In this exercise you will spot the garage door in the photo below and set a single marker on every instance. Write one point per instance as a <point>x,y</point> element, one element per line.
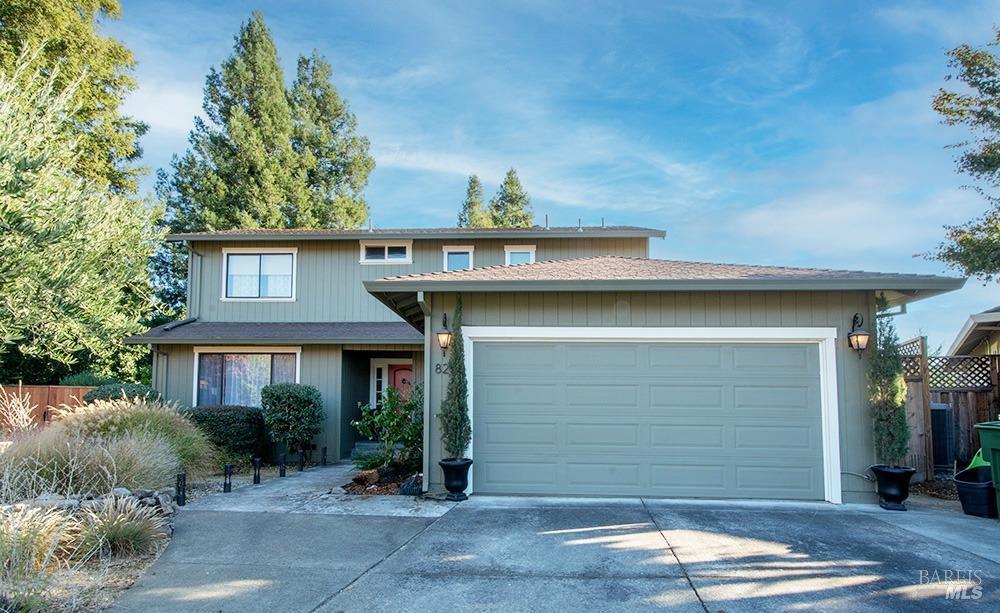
<point>727,420</point>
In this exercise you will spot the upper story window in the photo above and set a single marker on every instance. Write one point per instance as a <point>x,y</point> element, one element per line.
<point>386,252</point>
<point>458,257</point>
<point>518,254</point>
<point>258,274</point>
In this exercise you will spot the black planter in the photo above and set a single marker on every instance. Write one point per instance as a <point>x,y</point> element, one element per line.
<point>975,490</point>
<point>893,485</point>
<point>456,477</point>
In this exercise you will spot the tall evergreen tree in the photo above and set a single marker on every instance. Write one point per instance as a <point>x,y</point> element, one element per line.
<point>511,207</point>
<point>263,157</point>
<point>97,68</point>
<point>473,213</point>
<point>73,254</point>
<point>335,158</point>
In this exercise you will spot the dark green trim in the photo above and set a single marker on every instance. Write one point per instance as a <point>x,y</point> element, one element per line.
<point>143,340</point>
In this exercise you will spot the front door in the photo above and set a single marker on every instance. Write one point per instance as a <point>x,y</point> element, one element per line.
<point>401,378</point>
<point>396,373</point>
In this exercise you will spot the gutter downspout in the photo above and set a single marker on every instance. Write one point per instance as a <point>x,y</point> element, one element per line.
<point>425,308</point>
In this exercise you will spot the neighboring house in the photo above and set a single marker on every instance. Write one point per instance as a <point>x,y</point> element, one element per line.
<point>592,369</point>
<point>979,336</point>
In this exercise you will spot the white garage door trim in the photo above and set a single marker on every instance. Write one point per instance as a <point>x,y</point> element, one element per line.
<point>825,338</point>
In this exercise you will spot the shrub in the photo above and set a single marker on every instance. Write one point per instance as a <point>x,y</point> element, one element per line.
<point>112,418</point>
<point>88,378</point>
<point>292,412</point>
<point>31,542</point>
<point>117,391</point>
<point>887,392</point>
<point>456,429</point>
<point>17,412</point>
<point>120,526</point>
<point>237,431</point>
<point>399,422</point>
<point>57,461</point>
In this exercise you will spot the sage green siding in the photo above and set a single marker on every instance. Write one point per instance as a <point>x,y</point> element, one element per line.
<point>329,278</point>
<point>683,309</point>
<point>321,367</point>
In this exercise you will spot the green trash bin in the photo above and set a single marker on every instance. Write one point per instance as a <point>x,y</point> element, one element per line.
<point>989,440</point>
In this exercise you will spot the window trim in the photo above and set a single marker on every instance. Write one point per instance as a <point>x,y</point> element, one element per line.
<point>198,350</point>
<point>383,363</point>
<point>508,249</point>
<point>293,251</point>
<point>386,243</point>
<point>471,249</point>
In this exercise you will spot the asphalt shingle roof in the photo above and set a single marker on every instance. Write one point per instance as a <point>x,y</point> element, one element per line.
<point>620,268</point>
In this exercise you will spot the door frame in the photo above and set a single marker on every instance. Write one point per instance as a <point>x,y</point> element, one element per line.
<point>382,363</point>
<point>825,338</point>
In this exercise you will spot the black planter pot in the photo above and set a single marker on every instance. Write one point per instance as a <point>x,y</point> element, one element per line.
<point>456,477</point>
<point>893,485</point>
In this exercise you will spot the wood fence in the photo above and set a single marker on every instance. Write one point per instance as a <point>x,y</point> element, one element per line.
<point>968,384</point>
<point>47,397</point>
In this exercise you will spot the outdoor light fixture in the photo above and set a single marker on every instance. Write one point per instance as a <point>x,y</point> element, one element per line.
<point>256,471</point>
<point>444,337</point>
<point>227,478</point>
<point>859,337</point>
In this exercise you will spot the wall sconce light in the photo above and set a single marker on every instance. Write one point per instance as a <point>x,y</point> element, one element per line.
<point>859,337</point>
<point>444,337</point>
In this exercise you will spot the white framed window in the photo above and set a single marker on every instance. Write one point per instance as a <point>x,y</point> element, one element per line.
<point>236,375</point>
<point>518,254</point>
<point>386,252</point>
<point>458,257</point>
<point>259,274</point>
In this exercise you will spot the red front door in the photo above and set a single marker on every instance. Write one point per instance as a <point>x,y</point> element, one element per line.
<point>401,378</point>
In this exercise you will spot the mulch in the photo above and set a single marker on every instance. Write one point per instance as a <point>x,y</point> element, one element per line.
<point>380,482</point>
<point>936,488</point>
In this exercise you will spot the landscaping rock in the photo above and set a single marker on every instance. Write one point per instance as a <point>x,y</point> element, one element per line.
<point>149,501</point>
<point>67,504</point>
<point>121,492</point>
<point>367,477</point>
<point>142,493</point>
<point>169,491</point>
<point>412,486</point>
<point>91,504</point>
<point>49,496</point>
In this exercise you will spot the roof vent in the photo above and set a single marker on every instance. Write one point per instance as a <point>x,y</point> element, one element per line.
<point>579,224</point>
<point>546,221</point>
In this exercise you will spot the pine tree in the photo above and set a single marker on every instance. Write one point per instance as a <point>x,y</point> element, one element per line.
<point>97,68</point>
<point>511,207</point>
<point>334,156</point>
<point>473,213</point>
<point>263,157</point>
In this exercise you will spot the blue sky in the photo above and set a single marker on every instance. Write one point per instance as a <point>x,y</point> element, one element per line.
<point>791,133</point>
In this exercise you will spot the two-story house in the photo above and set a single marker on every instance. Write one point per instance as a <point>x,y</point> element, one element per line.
<point>593,370</point>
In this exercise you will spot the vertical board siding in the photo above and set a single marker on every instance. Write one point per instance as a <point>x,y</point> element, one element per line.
<point>329,278</point>
<point>685,309</point>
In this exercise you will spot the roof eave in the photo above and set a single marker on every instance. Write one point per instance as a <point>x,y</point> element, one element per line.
<point>963,344</point>
<point>144,340</point>
<point>376,235</point>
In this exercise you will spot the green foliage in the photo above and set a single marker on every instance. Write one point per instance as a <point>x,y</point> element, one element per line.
<point>511,207</point>
<point>117,391</point>
<point>87,378</point>
<point>474,213</point>
<point>121,527</point>
<point>887,392</point>
<point>400,421</point>
<point>974,248</point>
<point>235,430</point>
<point>293,413</point>
<point>72,254</point>
<point>114,418</point>
<point>94,70</point>
<point>456,429</point>
<point>263,157</point>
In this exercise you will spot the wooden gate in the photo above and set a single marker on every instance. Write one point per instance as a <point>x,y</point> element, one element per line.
<point>47,397</point>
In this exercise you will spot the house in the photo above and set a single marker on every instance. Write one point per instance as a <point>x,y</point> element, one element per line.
<point>980,335</point>
<point>593,370</point>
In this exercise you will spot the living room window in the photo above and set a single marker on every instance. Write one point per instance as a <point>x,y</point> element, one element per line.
<point>519,254</point>
<point>458,257</point>
<point>258,274</point>
<point>386,252</point>
<point>237,377</point>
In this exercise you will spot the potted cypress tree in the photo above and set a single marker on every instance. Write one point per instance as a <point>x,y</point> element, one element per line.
<point>887,394</point>
<point>456,430</point>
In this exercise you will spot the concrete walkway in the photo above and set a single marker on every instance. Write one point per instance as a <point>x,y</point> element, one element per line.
<point>295,545</point>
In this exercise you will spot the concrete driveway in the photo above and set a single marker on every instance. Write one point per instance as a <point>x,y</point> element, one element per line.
<point>320,551</point>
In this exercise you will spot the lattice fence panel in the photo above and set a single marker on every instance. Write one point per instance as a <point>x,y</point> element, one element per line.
<point>959,372</point>
<point>911,368</point>
<point>910,348</point>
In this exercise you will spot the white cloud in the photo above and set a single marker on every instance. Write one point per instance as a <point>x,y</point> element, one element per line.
<point>169,107</point>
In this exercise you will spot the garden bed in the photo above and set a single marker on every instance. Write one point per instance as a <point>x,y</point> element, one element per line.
<point>384,481</point>
<point>937,488</point>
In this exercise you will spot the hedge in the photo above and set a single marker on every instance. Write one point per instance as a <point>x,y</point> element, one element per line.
<point>237,430</point>
<point>115,391</point>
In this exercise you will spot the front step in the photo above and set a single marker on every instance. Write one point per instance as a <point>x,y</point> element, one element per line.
<point>368,447</point>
